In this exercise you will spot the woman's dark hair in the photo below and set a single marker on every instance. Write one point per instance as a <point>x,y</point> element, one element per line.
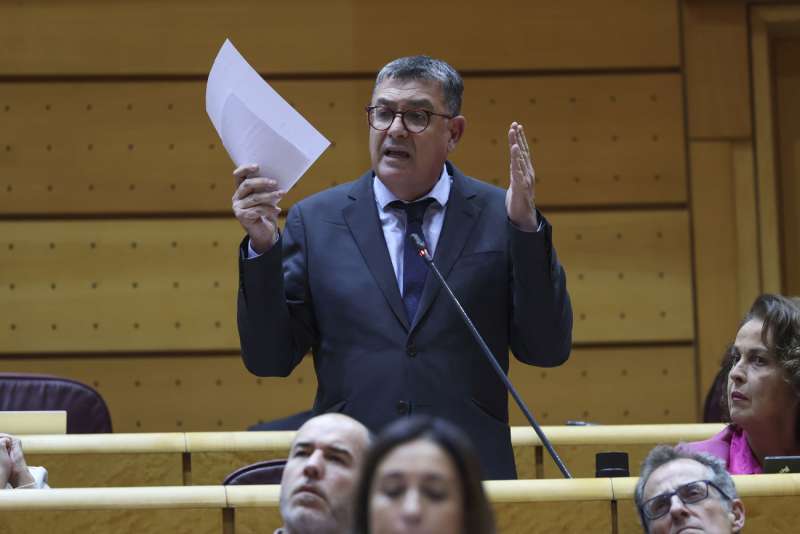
<point>477,514</point>
<point>781,336</point>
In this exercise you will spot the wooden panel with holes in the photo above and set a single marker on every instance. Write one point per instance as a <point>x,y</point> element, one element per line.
<point>163,284</point>
<point>595,139</point>
<point>624,385</point>
<point>181,393</point>
<point>629,274</point>
<point>134,147</point>
<point>182,37</point>
<point>116,147</point>
<point>119,285</point>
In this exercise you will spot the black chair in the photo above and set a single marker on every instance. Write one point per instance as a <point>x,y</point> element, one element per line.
<point>266,472</point>
<point>87,412</point>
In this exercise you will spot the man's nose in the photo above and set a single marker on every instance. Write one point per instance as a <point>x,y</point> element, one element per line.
<point>397,128</point>
<point>677,508</point>
<point>315,465</point>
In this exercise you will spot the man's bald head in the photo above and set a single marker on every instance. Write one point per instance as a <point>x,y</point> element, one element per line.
<point>321,473</point>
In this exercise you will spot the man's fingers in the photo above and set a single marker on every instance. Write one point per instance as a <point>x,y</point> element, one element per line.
<point>254,199</point>
<point>243,171</point>
<point>252,215</point>
<point>523,141</point>
<point>255,185</point>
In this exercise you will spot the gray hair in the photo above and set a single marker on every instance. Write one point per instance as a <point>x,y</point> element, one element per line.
<point>664,454</point>
<point>428,69</point>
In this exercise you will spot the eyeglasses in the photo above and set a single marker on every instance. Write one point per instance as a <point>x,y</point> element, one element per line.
<point>690,493</point>
<point>414,120</point>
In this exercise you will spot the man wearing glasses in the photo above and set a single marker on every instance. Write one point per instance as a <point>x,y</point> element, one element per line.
<point>686,492</point>
<point>343,279</point>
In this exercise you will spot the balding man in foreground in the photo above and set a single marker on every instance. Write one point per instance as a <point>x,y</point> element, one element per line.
<point>320,475</point>
<point>686,492</point>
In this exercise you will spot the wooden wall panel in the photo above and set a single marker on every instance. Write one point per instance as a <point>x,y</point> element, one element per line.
<point>595,139</point>
<point>181,393</point>
<point>165,284</point>
<point>717,68</point>
<point>629,274</point>
<point>610,386</point>
<point>327,37</point>
<point>116,147</point>
<point>765,143</point>
<point>787,118</point>
<point>725,246</point>
<point>133,147</point>
<point>121,285</point>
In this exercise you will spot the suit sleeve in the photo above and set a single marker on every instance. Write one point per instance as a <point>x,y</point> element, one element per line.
<point>541,318</point>
<point>274,309</point>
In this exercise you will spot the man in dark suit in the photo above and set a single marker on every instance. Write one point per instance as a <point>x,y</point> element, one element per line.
<point>343,280</point>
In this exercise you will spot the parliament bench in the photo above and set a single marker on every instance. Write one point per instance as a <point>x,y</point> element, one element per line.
<point>598,505</point>
<point>205,458</point>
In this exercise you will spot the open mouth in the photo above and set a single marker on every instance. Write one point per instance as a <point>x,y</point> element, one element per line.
<point>396,153</point>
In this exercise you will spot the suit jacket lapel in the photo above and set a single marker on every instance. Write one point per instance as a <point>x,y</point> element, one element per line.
<point>461,216</point>
<point>361,216</point>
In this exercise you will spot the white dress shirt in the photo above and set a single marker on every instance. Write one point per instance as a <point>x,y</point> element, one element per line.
<point>393,220</point>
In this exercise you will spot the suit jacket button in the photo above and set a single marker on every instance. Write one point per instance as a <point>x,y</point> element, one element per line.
<point>402,407</point>
<point>411,350</point>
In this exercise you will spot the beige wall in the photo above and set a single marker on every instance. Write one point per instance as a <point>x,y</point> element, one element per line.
<point>118,249</point>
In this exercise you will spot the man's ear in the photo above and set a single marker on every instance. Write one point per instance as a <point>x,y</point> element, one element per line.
<point>737,515</point>
<point>456,129</point>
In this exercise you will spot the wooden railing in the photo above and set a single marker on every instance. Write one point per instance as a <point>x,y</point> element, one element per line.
<point>185,458</point>
<point>532,506</point>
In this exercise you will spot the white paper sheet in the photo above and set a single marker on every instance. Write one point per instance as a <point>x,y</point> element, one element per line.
<point>256,124</point>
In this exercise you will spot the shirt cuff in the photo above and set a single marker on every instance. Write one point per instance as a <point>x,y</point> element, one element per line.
<point>538,228</point>
<point>251,254</point>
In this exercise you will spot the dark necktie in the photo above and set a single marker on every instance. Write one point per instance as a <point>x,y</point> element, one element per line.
<point>414,268</point>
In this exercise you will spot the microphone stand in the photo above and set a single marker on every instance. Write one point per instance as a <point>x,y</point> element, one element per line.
<point>423,252</point>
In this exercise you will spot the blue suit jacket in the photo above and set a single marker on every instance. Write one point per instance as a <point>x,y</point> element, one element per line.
<point>330,287</point>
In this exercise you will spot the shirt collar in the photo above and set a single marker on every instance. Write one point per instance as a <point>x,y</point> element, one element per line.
<point>440,192</point>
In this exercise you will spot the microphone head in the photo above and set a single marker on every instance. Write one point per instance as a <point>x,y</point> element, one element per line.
<point>418,242</point>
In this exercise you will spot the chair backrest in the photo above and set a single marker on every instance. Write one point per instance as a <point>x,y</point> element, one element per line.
<point>87,412</point>
<point>266,472</point>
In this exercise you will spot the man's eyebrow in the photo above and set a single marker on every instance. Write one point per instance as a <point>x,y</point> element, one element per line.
<point>422,103</point>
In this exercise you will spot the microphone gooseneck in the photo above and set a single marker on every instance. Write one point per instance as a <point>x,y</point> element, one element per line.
<point>423,252</point>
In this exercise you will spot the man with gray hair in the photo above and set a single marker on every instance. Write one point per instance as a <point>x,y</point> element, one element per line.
<point>680,491</point>
<point>344,279</point>
<point>321,474</point>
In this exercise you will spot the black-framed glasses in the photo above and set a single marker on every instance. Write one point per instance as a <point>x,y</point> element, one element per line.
<point>414,120</point>
<point>689,493</point>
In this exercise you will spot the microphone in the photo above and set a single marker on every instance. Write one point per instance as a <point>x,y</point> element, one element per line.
<point>423,252</point>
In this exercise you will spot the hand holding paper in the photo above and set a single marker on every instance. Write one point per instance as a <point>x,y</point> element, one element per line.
<point>264,136</point>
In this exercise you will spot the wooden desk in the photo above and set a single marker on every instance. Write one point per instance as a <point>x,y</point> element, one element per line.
<point>33,422</point>
<point>521,506</point>
<point>175,458</point>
